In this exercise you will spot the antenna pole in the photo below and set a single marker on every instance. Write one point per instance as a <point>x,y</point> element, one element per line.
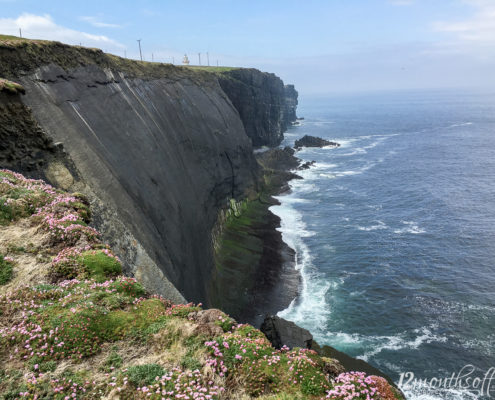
<point>140,53</point>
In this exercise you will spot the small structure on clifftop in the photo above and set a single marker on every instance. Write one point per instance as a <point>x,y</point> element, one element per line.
<point>185,60</point>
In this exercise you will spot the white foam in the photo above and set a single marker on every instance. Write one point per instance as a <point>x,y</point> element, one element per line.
<point>426,393</point>
<point>357,171</point>
<point>411,227</point>
<point>376,344</point>
<point>460,124</point>
<point>355,152</point>
<point>378,226</point>
<point>310,308</point>
<point>318,122</point>
<point>400,341</point>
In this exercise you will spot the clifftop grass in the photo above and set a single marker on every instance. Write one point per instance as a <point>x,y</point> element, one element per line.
<point>20,55</point>
<point>82,330</point>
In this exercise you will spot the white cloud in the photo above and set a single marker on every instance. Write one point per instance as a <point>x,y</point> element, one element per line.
<point>480,27</point>
<point>95,21</point>
<point>44,27</point>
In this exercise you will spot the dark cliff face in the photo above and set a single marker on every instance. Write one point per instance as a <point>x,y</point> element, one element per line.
<point>291,103</point>
<point>163,152</point>
<point>265,105</point>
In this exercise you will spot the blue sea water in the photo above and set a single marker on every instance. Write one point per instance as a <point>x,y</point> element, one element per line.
<point>394,233</point>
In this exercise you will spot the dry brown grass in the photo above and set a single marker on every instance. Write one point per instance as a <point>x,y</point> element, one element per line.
<point>26,244</point>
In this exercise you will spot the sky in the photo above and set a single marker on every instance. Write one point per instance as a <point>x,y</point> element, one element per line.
<point>321,46</point>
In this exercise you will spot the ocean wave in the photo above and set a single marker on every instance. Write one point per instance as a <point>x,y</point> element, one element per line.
<point>376,344</point>
<point>359,150</point>
<point>356,171</point>
<point>426,393</point>
<point>401,341</point>
<point>310,309</point>
<point>378,226</point>
<point>460,124</point>
<point>411,227</point>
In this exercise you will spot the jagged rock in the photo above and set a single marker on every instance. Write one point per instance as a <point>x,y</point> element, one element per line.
<point>206,321</point>
<point>281,332</point>
<point>306,165</point>
<point>279,159</point>
<point>332,366</point>
<point>312,141</point>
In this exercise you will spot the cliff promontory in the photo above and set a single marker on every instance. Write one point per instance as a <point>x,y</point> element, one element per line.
<point>265,105</point>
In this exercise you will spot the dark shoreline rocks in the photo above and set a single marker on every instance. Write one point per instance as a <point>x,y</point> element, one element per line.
<point>312,141</point>
<point>281,332</point>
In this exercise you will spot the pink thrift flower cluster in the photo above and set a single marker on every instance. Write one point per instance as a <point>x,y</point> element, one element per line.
<point>20,197</point>
<point>64,223</point>
<point>354,385</point>
<point>61,388</point>
<point>179,384</point>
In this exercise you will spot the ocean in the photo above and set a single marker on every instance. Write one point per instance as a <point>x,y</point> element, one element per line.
<point>394,233</point>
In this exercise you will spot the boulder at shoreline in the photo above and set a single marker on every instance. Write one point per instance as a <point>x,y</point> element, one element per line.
<point>313,141</point>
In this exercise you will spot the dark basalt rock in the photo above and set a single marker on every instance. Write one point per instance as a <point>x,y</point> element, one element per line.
<point>281,332</point>
<point>265,105</point>
<point>312,141</point>
<point>306,165</point>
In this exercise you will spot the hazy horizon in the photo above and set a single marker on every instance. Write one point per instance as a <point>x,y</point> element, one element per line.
<point>321,47</point>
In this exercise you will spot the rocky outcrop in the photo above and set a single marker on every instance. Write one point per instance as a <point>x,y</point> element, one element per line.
<point>281,332</point>
<point>265,105</point>
<point>312,141</point>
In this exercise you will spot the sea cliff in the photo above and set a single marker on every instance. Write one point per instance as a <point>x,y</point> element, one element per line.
<point>160,149</point>
<point>160,160</point>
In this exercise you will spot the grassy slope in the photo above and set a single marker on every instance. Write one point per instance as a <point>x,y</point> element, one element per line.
<point>73,326</point>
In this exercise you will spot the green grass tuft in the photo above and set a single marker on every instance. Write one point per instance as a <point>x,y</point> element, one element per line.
<point>6,270</point>
<point>141,375</point>
<point>100,266</point>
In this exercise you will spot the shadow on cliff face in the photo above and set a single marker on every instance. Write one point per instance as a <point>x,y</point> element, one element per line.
<point>254,269</point>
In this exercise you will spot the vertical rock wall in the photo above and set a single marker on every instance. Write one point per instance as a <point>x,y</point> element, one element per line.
<point>265,105</point>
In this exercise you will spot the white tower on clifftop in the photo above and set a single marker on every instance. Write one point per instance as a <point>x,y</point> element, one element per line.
<point>185,60</point>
